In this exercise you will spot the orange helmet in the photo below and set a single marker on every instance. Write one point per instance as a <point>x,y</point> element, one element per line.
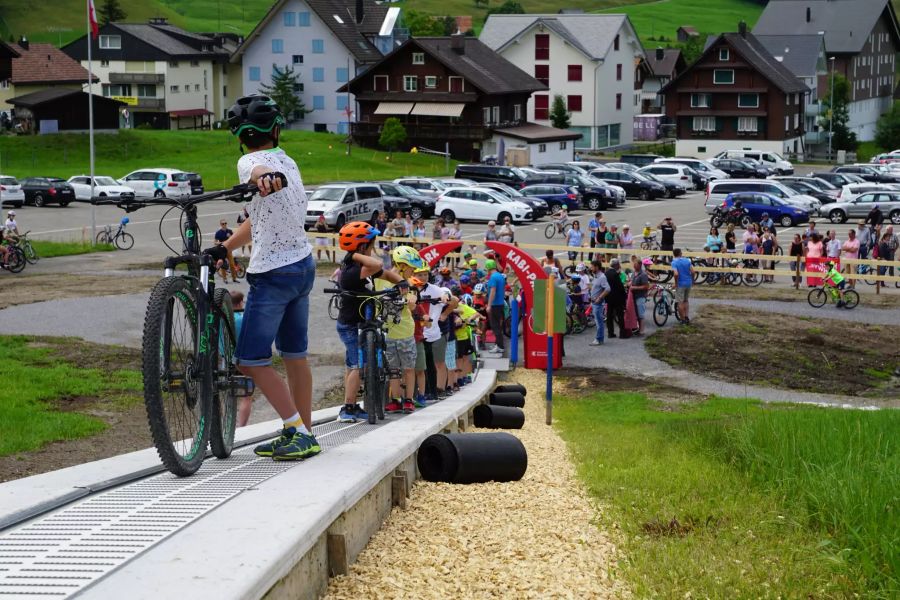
<point>355,234</point>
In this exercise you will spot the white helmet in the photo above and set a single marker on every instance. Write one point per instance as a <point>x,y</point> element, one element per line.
<point>580,268</point>
<point>11,213</point>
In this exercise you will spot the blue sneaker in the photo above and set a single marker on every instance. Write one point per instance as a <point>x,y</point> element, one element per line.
<point>269,448</point>
<point>361,415</point>
<point>419,401</point>
<point>300,447</point>
<point>348,414</point>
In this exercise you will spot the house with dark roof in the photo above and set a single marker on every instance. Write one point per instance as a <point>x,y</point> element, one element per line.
<point>664,65</point>
<point>58,109</point>
<point>7,54</point>
<point>326,42</point>
<point>594,61</point>
<point>37,67</point>
<point>451,90</point>
<point>735,96</point>
<point>167,77</point>
<point>685,33</point>
<point>862,39</point>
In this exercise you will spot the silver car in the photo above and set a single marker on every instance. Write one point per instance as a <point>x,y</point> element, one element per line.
<point>859,207</point>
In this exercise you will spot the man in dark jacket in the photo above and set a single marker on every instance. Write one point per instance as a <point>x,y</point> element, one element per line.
<point>615,312</point>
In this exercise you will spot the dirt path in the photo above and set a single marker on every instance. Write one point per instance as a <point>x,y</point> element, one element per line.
<point>28,289</point>
<point>534,538</point>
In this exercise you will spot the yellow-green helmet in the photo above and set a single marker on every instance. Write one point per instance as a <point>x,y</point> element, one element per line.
<point>408,256</point>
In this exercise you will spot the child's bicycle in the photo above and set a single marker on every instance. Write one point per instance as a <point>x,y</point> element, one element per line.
<point>122,239</point>
<point>649,243</point>
<point>15,259</point>
<point>191,383</point>
<point>818,297</point>
<point>25,244</point>
<point>664,305</point>
<point>555,227</point>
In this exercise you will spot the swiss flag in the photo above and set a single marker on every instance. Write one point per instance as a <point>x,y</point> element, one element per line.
<point>92,18</point>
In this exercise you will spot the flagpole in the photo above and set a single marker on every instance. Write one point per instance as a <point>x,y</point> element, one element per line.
<point>90,39</point>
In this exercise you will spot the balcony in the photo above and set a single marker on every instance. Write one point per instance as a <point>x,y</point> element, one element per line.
<point>147,78</point>
<point>436,131</point>
<point>150,103</point>
<point>813,138</point>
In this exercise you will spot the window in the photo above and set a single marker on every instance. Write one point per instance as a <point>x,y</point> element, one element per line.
<point>319,74</point>
<point>616,43</point>
<point>619,72</point>
<point>341,103</point>
<point>252,74</point>
<point>486,114</point>
<point>430,81</point>
<point>381,83</point>
<point>574,72</point>
<point>418,58</point>
<point>298,87</point>
<point>542,46</point>
<point>457,84</point>
<point>119,89</point>
<point>173,64</point>
<point>618,101</point>
<point>297,59</point>
<point>225,90</point>
<point>748,100</point>
<point>110,42</point>
<point>318,46</point>
<point>562,145</point>
<point>701,100</point>
<point>318,102</point>
<point>290,19</point>
<point>704,124</point>
<point>723,55</point>
<point>495,114</point>
<point>542,73</point>
<point>517,112</point>
<point>342,74</point>
<point>574,103</point>
<point>187,88</point>
<point>196,87</point>
<point>541,107</point>
<point>303,19</point>
<point>748,124</point>
<point>723,76</point>
<point>195,63</point>
<point>173,89</point>
<point>277,46</point>
<point>410,83</point>
<point>542,147</point>
<point>104,63</point>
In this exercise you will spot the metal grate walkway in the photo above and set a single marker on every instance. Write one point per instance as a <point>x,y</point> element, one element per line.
<point>64,552</point>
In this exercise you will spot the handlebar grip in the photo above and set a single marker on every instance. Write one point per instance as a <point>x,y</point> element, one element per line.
<point>333,291</point>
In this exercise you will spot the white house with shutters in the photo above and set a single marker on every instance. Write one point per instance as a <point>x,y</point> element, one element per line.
<point>592,60</point>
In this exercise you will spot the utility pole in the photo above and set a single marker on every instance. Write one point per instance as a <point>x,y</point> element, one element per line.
<point>831,110</point>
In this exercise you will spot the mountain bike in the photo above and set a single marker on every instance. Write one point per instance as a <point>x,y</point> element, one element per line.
<point>665,305</point>
<point>818,297</point>
<point>191,383</point>
<point>15,259</point>
<point>25,244</point>
<point>122,239</point>
<point>378,309</point>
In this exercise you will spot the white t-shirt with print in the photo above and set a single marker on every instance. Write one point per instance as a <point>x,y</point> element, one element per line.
<point>432,332</point>
<point>11,225</point>
<point>279,237</point>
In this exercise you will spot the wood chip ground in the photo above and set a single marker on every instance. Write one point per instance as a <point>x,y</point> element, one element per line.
<point>535,538</point>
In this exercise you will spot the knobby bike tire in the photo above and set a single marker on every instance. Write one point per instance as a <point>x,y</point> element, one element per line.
<point>15,259</point>
<point>124,241</point>
<point>817,297</point>
<point>176,399</point>
<point>661,310</point>
<point>371,379</point>
<point>851,299</point>
<point>224,401</point>
<point>30,255</point>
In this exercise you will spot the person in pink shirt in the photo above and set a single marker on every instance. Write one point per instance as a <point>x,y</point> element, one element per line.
<point>850,249</point>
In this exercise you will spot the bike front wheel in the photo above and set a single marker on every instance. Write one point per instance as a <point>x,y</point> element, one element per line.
<point>224,400</point>
<point>371,378</point>
<point>851,299</point>
<point>817,297</point>
<point>550,231</point>
<point>661,311</point>
<point>334,307</point>
<point>177,391</point>
<point>15,259</point>
<point>30,255</point>
<point>124,241</point>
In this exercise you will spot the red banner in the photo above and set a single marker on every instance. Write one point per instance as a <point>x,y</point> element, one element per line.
<point>435,252</point>
<point>817,263</point>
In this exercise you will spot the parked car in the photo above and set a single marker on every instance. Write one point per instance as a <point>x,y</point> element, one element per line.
<point>539,208</point>
<point>672,173</point>
<point>452,182</point>
<point>158,183</point>
<point>739,169</point>
<point>703,167</point>
<point>885,159</point>
<point>392,199</point>
<point>803,187</point>
<point>422,185</point>
<point>508,175</point>
<point>594,195</point>
<point>41,191</point>
<point>888,202</point>
<point>421,206</point>
<point>673,189</point>
<point>622,166</point>
<point>869,173</point>
<point>852,190</point>
<point>819,184</point>
<point>585,165</point>
<point>103,187</point>
<point>639,160</point>
<point>758,203</point>
<point>563,168</point>
<point>480,204</point>
<point>634,184</point>
<point>838,179</point>
<point>344,202</point>
<point>11,192</point>
<point>716,192</point>
<point>772,160</point>
<point>553,194</point>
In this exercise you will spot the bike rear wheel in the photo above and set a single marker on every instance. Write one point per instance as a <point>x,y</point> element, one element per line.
<point>550,231</point>
<point>851,299</point>
<point>124,241</point>
<point>334,307</point>
<point>817,297</point>
<point>239,270</point>
<point>15,259</point>
<point>751,279</point>
<point>103,238</point>
<point>176,377</point>
<point>661,310</point>
<point>224,400</point>
<point>371,378</point>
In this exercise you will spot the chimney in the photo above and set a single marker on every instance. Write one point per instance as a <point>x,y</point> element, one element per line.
<point>458,43</point>
<point>660,54</point>
<point>742,29</point>
<point>808,14</point>
<point>360,11</point>
<point>23,42</point>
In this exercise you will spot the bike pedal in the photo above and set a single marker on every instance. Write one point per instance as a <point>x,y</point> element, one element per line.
<point>243,386</point>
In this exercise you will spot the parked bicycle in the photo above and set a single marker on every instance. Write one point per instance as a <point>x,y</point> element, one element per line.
<point>818,297</point>
<point>191,383</point>
<point>665,305</point>
<point>25,244</point>
<point>121,238</point>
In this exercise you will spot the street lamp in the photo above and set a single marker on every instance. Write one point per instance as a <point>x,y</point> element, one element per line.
<point>831,110</point>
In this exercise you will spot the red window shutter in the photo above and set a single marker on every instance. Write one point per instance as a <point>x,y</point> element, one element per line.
<point>618,72</point>
<point>542,73</point>
<point>541,107</point>
<point>574,103</point>
<point>542,46</point>
<point>456,84</point>
<point>574,72</point>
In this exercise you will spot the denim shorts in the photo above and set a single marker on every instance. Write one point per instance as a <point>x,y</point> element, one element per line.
<point>277,310</point>
<point>640,305</point>
<point>349,335</point>
<point>450,355</point>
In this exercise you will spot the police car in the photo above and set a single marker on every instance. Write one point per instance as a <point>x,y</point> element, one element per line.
<point>345,202</point>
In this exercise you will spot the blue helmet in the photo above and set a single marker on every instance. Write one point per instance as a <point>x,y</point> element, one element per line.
<point>125,221</point>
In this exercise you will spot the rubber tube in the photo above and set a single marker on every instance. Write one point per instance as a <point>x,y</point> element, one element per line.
<point>507,399</point>
<point>512,387</point>
<point>498,417</point>
<point>472,457</point>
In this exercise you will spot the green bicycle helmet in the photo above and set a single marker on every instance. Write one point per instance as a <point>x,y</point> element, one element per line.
<point>408,256</point>
<point>256,112</point>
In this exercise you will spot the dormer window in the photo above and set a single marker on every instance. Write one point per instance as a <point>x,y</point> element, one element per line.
<point>418,58</point>
<point>724,55</point>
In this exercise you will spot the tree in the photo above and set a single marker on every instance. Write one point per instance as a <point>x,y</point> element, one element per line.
<point>693,48</point>
<point>449,25</point>
<point>887,131</point>
<point>510,7</point>
<point>837,114</point>
<point>559,116</point>
<point>111,11</point>
<point>422,25</point>
<point>282,91</point>
<point>393,133</point>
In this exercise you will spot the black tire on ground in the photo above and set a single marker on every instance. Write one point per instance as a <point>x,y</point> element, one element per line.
<point>550,230</point>
<point>224,401</point>
<point>39,200</point>
<point>472,457</point>
<point>103,238</point>
<point>341,221</point>
<point>594,203</point>
<point>498,417</point>
<point>507,399</point>
<point>670,193</point>
<point>124,241</point>
<point>371,380</point>
<point>30,255</point>
<point>746,221</point>
<point>15,259</point>
<point>171,382</point>
<point>511,387</point>
<point>448,215</point>
<point>751,279</point>
<point>416,213</point>
<point>503,216</point>
<point>786,221</point>
<point>895,217</point>
<point>660,312</point>
<point>334,307</point>
<point>63,204</point>
<point>554,208</point>
<point>643,195</point>
<point>817,297</point>
<point>716,221</point>
<point>159,194</point>
<point>851,299</point>
<point>837,216</point>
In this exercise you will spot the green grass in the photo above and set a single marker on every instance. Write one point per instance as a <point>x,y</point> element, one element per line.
<point>735,499</point>
<point>866,150</point>
<point>34,380</point>
<point>51,249</point>
<point>214,154</point>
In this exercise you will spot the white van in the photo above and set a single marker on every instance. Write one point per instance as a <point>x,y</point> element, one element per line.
<point>716,191</point>
<point>774,161</point>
